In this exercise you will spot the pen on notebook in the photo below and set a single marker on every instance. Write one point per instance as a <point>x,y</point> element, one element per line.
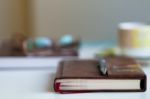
<point>102,66</point>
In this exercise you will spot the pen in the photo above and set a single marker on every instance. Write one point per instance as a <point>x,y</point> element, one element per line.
<point>102,66</point>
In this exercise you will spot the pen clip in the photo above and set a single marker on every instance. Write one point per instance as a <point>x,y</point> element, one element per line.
<point>102,66</point>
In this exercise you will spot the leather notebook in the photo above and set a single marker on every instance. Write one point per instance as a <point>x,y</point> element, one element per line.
<point>123,75</point>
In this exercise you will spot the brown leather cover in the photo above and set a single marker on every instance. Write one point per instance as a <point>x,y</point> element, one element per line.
<point>118,67</point>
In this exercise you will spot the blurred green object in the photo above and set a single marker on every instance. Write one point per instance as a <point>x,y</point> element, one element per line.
<point>115,51</point>
<point>30,45</point>
<point>106,52</point>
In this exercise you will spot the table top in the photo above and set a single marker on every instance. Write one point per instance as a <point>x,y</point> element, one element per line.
<point>38,83</point>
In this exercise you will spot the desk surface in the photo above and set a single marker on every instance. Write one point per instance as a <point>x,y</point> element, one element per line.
<point>37,84</point>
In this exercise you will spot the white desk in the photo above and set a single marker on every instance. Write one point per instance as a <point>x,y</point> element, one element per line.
<point>37,84</point>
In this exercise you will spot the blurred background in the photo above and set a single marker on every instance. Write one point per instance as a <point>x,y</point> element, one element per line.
<point>91,19</point>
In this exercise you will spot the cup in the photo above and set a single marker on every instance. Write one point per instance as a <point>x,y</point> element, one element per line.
<point>134,39</point>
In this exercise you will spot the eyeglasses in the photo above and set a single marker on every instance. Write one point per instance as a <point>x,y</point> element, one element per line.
<point>66,41</point>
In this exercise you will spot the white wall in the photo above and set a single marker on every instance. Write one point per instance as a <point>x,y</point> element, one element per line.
<point>92,19</point>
